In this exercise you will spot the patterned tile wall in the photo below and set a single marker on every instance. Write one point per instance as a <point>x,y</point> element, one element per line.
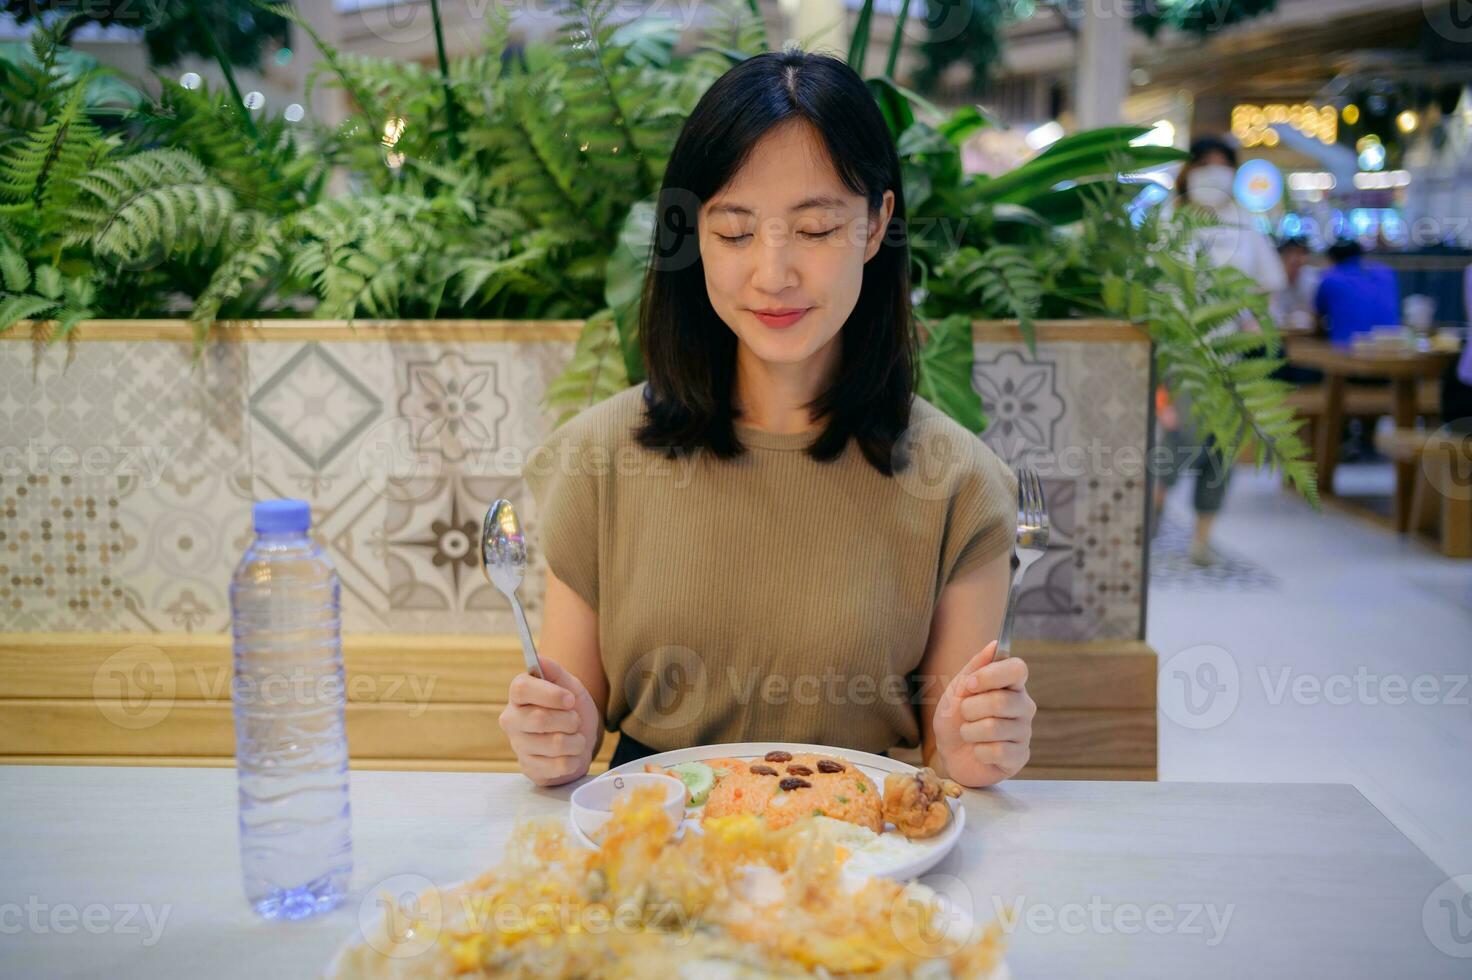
<point>127,472</point>
<point>1079,413</point>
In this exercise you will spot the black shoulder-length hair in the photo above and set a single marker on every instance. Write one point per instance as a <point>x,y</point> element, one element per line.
<point>690,353</point>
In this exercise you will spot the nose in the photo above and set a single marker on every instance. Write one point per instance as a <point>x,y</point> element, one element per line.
<point>773,271</point>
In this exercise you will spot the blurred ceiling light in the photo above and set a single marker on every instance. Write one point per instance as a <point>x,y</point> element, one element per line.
<point>190,79</point>
<point>1372,157</point>
<point>1407,121</point>
<point>1162,133</point>
<point>294,112</point>
<point>1351,113</point>
<point>1252,125</point>
<point>1045,135</point>
<point>1370,181</point>
<point>254,100</point>
<point>1311,180</point>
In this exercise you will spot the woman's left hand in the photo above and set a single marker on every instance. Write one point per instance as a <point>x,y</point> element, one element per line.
<point>983,722</point>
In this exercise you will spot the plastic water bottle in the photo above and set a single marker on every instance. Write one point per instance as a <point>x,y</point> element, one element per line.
<point>291,749</point>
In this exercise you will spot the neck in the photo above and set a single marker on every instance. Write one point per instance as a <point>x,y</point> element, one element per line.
<point>773,397</point>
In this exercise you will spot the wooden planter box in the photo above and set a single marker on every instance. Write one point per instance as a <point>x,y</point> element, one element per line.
<point>130,464</point>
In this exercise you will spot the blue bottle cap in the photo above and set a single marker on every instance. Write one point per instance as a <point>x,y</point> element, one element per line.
<point>276,516</point>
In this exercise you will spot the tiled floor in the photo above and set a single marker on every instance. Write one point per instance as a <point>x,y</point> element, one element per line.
<point>1335,652</point>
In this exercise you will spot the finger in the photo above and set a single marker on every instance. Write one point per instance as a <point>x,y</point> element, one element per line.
<point>550,770</point>
<point>995,730</point>
<point>537,721</point>
<point>1010,673</point>
<point>957,688</point>
<point>560,675</point>
<point>987,654</point>
<point>550,745</point>
<point>1009,756</point>
<point>1004,703</point>
<point>528,690</point>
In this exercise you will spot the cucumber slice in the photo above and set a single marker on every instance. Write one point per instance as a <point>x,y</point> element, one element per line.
<point>698,779</point>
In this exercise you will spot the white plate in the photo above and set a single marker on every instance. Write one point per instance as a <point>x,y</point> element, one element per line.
<point>925,855</point>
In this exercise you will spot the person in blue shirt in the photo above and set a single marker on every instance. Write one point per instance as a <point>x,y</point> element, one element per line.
<point>1355,296</point>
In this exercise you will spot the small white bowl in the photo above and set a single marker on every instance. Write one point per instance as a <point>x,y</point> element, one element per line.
<point>592,803</point>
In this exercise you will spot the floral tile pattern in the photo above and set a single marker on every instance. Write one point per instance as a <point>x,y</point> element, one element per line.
<point>129,469</point>
<point>1079,413</point>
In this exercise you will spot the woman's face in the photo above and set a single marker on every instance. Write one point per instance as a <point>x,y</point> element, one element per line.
<point>787,239</point>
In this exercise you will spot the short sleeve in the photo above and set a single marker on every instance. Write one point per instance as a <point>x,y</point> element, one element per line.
<point>982,521</point>
<point>566,494</point>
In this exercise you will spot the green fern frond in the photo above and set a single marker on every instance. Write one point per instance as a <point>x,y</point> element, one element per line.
<point>147,206</point>
<point>258,259</point>
<point>608,97</point>
<point>15,307</point>
<point>40,168</point>
<point>595,371</point>
<point>944,369</point>
<point>1001,281</point>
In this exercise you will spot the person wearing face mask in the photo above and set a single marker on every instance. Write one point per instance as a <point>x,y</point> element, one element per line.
<point>1207,182</point>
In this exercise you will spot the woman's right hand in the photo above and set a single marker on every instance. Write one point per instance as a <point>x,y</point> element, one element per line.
<point>552,724</point>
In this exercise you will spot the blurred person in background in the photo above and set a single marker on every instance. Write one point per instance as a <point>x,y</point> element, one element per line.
<point>1456,383</point>
<point>1207,181</point>
<point>1355,294</point>
<point>1293,305</point>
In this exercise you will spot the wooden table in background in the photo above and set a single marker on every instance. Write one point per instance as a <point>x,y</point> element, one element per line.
<point>1404,369</point>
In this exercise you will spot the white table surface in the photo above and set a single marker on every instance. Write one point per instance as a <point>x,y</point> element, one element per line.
<point>133,872</point>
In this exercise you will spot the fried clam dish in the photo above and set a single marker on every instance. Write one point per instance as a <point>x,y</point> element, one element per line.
<point>916,802</point>
<point>741,899</point>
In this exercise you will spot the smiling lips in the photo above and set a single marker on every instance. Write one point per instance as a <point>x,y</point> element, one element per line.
<point>783,316</point>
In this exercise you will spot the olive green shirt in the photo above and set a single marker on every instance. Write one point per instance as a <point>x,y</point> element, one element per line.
<point>769,597</point>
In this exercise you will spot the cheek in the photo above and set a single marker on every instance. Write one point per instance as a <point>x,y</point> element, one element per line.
<point>724,274</point>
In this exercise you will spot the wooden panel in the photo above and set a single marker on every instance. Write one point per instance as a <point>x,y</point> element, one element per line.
<point>1059,332</point>
<point>1124,737</point>
<point>1104,674</point>
<point>45,726</point>
<point>49,726</point>
<point>1096,674</point>
<point>459,331</point>
<point>379,668</point>
<point>433,700</point>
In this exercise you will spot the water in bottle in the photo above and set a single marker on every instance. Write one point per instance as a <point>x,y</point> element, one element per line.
<point>291,749</point>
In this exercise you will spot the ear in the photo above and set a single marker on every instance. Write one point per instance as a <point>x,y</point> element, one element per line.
<point>878,225</point>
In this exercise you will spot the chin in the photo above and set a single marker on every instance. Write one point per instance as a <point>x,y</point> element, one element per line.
<point>782,349</point>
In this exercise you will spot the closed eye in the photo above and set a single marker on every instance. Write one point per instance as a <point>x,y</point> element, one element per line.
<point>809,235</point>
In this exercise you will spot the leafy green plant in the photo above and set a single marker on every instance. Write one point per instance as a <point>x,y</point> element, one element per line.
<point>525,189</point>
<point>89,221</point>
<point>1150,270</point>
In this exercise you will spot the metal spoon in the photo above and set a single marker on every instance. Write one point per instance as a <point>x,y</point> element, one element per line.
<point>503,556</point>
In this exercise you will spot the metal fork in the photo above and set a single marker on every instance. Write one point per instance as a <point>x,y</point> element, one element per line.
<point>1032,541</point>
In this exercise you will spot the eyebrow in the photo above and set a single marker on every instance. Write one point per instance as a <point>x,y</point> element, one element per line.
<point>817,201</point>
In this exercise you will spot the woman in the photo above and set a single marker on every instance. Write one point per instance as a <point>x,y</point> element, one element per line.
<point>773,538</point>
<point>1207,182</point>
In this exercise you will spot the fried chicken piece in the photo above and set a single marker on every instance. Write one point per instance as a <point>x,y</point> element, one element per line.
<point>916,802</point>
